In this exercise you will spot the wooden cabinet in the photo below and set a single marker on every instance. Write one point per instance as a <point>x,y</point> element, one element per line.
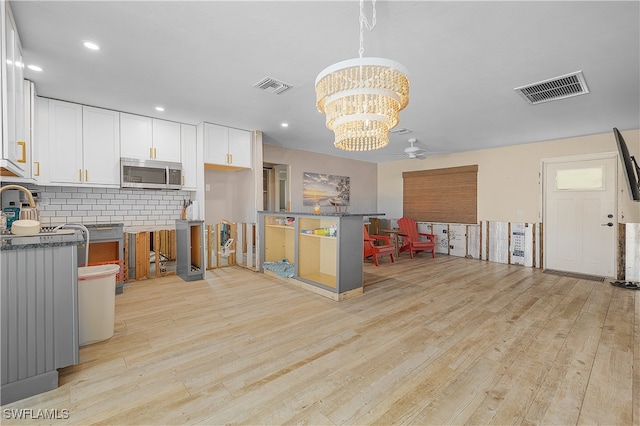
<point>149,138</point>
<point>226,148</point>
<point>189,157</point>
<point>326,250</point>
<point>15,123</point>
<point>83,145</point>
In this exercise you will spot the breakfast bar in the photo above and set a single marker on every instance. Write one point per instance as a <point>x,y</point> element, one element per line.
<point>319,252</point>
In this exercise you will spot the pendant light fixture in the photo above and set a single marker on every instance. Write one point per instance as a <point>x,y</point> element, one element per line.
<point>362,97</point>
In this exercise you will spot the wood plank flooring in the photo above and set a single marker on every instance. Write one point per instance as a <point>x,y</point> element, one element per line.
<point>432,341</point>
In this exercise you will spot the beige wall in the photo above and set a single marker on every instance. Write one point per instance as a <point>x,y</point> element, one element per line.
<point>509,188</point>
<point>230,196</point>
<point>363,176</point>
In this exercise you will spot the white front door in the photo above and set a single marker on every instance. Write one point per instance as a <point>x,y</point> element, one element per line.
<point>580,220</point>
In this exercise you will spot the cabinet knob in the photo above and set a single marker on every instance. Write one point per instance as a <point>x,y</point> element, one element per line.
<point>37,163</point>
<point>86,175</point>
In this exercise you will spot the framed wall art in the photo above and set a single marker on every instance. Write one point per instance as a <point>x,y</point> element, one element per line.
<point>325,190</point>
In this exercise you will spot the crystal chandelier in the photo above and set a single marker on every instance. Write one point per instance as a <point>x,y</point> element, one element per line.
<point>362,97</point>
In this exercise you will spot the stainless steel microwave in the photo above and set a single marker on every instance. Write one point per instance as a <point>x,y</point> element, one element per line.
<point>150,174</point>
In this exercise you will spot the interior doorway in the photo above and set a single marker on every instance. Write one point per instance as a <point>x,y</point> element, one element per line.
<point>580,215</point>
<point>276,187</point>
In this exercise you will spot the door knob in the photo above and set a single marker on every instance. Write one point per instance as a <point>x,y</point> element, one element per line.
<point>607,224</point>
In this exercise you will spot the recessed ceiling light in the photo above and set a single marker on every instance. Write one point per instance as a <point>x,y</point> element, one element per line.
<point>285,124</point>
<point>34,68</point>
<point>159,108</point>
<point>91,45</point>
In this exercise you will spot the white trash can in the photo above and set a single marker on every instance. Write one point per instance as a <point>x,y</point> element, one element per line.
<point>96,302</point>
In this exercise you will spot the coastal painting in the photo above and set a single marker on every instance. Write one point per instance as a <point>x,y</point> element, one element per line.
<point>326,190</point>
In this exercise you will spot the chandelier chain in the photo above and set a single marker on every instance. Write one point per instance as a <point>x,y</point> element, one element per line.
<point>364,23</point>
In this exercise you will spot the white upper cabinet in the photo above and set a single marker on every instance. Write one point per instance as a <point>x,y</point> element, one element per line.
<point>65,142</point>
<point>41,158</point>
<point>240,148</point>
<point>82,145</point>
<point>149,138</point>
<point>189,157</point>
<point>226,148</point>
<point>15,141</point>
<point>166,140</point>
<point>101,146</point>
<point>136,133</point>
<point>215,144</point>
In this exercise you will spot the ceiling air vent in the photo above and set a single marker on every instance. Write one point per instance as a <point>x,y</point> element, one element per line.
<point>555,88</point>
<point>400,131</point>
<point>272,85</point>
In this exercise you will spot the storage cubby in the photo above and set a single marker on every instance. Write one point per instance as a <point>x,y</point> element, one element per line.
<point>279,238</point>
<point>317,251</point>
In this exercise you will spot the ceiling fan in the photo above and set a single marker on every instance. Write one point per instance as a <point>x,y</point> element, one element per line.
<point>412,151</point>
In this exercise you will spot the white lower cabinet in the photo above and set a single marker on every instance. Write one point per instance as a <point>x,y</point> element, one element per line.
<point>83,145</point>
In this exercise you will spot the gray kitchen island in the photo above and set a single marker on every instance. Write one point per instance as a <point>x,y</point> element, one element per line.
<point>39,308</point>
<point>320,252</point>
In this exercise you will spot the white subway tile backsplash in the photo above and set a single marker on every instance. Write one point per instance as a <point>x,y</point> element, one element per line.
<point>64,204</point>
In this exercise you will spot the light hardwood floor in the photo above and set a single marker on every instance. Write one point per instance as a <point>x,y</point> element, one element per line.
<point>432,341</point>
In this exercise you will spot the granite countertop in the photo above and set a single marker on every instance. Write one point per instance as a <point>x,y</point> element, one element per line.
<point>24,242</point>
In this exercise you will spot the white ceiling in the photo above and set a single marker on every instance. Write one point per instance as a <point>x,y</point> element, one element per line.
<point>201,59</point>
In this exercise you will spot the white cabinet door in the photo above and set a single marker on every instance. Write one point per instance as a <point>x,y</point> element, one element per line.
<point>15,144</point>
<point>65,142</point>
<point>166,140</point>
<point>189,157</point>
<point>41,157</point>
<point>239,148</point>
<point>227,147</point>
<point>101,144</point>
<point>216,144</point>
<point>29,96</point>
<point>136,139</point>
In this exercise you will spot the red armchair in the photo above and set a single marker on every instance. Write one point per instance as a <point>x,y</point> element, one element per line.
<point>373,250</point>
<point>411,238</point>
